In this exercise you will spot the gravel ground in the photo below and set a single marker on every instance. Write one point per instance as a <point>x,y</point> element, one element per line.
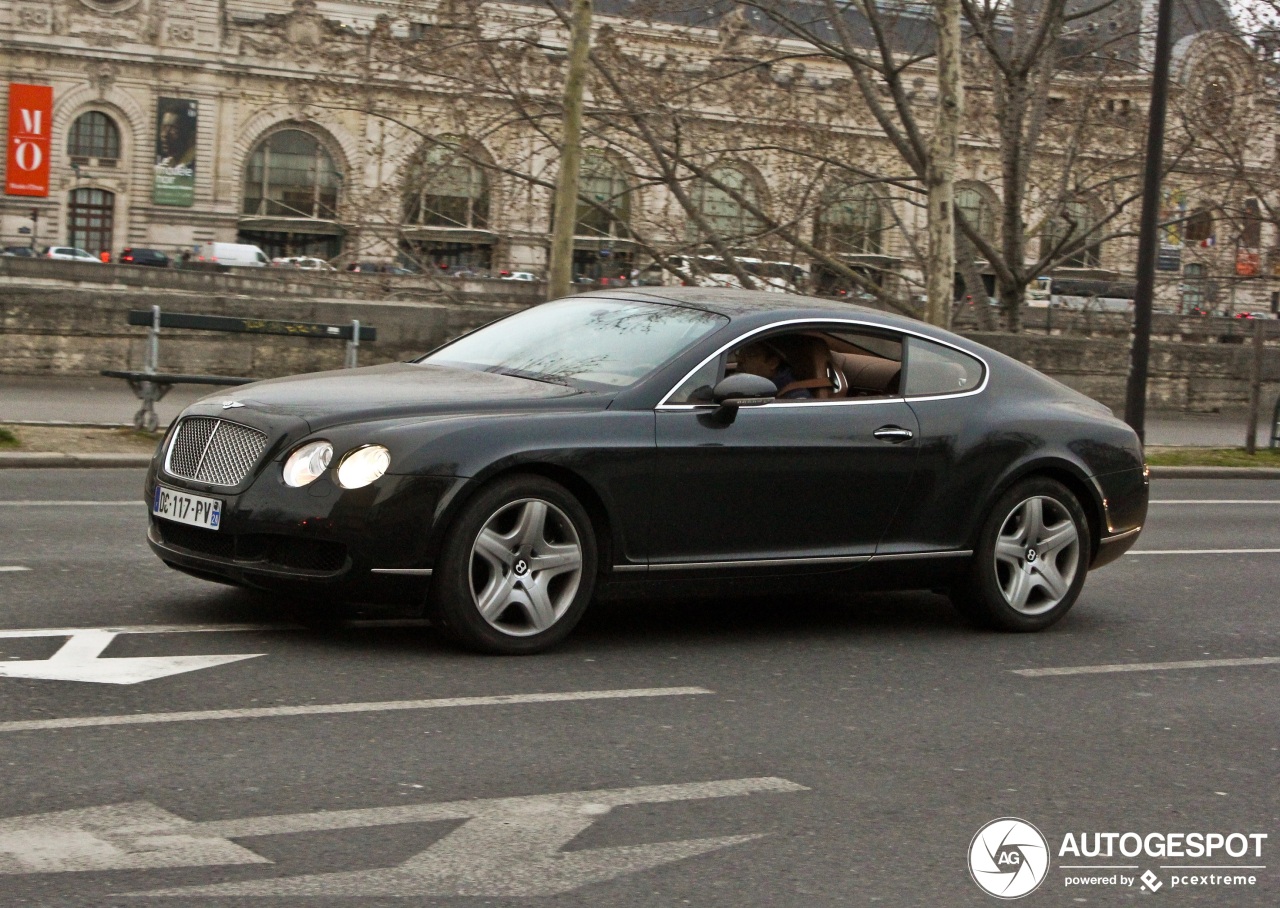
<point>81,441</point>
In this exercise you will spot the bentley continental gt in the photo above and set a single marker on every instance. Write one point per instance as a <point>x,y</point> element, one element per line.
<point>647,441</point>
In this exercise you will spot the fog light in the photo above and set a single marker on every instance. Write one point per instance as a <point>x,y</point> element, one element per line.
<point>306,464</point>
<point>362,466</point>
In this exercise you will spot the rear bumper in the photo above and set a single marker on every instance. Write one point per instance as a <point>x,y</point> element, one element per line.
<point>1112,547</point>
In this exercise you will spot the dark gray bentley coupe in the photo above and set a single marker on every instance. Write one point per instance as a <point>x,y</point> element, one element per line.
<point>647,441</point>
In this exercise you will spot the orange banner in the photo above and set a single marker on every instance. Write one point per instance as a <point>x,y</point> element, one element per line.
<point>30,122</point>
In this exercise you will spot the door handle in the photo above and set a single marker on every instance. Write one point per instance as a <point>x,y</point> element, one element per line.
<point>893,434</point>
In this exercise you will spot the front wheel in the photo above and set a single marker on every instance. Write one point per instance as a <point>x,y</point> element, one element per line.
<point>517,569</point>
<point>1031,560</point>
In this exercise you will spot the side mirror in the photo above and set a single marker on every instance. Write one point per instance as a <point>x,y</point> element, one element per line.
<point>744,390</point>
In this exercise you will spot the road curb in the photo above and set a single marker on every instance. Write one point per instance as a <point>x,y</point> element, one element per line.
<point>35,460</point>
<point>1215,473</point>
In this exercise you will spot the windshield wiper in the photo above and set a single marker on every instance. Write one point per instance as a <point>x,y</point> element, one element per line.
<point>534,376</point>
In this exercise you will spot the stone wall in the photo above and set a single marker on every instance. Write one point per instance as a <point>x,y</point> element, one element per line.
<point>80,332</point>
<point>260,282</point>
<point>68,330</point>
<point>1182,376</point>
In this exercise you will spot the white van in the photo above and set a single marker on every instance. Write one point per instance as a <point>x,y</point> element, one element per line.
<point>241,255</point>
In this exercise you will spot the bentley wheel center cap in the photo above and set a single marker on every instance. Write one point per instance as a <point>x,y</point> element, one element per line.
<point>521,567</point>
<point>1031,555</point>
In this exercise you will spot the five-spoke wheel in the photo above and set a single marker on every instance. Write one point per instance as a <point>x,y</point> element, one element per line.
<point>526,564</point>
<point>517,569</point>
<point>1037,555</point>
<point>1031,559</point>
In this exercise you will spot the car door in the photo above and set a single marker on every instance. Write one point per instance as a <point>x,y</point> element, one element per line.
<point>804,483</point>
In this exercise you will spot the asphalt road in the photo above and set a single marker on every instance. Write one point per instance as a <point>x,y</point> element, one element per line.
<point>724,753</point>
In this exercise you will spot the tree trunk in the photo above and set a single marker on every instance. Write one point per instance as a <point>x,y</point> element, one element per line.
<point>941,174</point>
<point>560,270</point>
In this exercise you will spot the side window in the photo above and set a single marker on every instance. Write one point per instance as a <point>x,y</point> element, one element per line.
<point>697,390</point>
<point>935,369</point>
<point>813,362</point>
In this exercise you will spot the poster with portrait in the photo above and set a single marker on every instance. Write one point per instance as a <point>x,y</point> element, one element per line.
<point>175,172</point>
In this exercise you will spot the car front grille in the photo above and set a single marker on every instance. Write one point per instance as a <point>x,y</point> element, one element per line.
<point>213,450</point>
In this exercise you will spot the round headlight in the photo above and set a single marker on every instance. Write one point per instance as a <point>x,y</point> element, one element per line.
<point>362,466</point>
<point>306,464</point>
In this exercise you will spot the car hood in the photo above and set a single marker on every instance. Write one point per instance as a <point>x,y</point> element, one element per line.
<point>325,399</point>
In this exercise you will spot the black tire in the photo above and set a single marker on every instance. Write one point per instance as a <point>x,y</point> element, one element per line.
<point>1007,591</point>
<point>488,594</point>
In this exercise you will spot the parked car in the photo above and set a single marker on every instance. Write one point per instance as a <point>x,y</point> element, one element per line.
<point>21,252</point>
<point>378,268</point>
<point>607,441</point>
<point>70,253</point>
<point>1252,315</point>
<point>305,262</point>
<point>518,276</point>
<point>152,258</point>
<point>236,255</point>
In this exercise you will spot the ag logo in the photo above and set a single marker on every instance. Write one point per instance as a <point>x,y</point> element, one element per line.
<point>1008,858</point>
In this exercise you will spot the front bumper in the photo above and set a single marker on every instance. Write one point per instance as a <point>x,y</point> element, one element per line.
<point>271,535</point>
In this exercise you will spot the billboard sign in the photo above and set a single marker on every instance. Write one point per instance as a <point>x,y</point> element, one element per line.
<point>30,121</point>
<point>175,171</point>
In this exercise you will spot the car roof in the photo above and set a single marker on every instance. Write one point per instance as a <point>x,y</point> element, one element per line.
<point>734,303</point>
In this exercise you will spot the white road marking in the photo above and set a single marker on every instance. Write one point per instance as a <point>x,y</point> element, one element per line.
<point>335,708</point>
<point>78,660</point>
<point>146,629</point>
<point>506,847</point>
<point>12,568</point>
<point>58,503</point>
<point>1143,667</point>
<point>1215,501</point>
<point>1203,552</point>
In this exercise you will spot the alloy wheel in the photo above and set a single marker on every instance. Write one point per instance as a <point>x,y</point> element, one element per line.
<point>525,567</point>
<point>1037,554</point>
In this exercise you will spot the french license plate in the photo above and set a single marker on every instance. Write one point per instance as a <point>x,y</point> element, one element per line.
<point>192,510</point>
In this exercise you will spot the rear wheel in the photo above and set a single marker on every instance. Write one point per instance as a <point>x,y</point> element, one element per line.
<point>518,568</point>
<point>1031,559</point>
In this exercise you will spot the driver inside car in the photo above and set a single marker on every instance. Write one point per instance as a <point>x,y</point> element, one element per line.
<point>763,359</point>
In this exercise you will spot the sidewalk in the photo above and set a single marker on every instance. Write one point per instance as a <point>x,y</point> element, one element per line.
<point>109,402</point>
<point>95,401</point>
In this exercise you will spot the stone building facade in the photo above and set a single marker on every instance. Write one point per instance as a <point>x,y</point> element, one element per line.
<point>294,125</point>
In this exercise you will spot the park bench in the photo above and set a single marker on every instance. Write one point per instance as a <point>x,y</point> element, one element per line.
<point>150,384</point>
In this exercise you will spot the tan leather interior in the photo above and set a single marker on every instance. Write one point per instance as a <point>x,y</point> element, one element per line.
<point>868,375</point>
<point>811,363</point>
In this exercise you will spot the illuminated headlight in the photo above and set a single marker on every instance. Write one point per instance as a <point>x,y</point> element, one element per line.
<point>362,466</point>
<point>306,464</point>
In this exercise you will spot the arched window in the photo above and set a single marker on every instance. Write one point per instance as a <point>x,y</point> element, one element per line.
<point>94,135</point>
<point>1199,226</point>
<point>445,187</point>
<point>722,210</point>
<point>604,183</point>
<point>291,175</point>
<point>850,221</point>
<point>977,210</point>
<point>1065,237</point>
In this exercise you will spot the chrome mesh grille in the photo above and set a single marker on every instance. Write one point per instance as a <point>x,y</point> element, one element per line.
<point>214,451</point>
<point>189,444</point>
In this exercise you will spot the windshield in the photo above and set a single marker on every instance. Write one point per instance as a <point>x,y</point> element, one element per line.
<point>593,344</point>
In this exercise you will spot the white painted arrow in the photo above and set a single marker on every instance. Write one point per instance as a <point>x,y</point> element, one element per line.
<point>505,846</point>
<point>78,660</point>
